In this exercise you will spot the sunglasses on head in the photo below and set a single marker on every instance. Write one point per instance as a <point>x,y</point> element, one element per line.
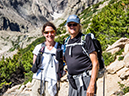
<point>52,32</point>
<point>75,24</point>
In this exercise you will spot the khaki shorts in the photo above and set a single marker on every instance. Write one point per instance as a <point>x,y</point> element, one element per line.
<point>36,88</point>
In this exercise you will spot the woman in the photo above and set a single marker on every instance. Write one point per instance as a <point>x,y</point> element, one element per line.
<point>49,64</point>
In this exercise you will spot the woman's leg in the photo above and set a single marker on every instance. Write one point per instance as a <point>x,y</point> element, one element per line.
<point>35,87</point>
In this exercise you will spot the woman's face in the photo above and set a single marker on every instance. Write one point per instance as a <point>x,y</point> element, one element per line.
<point>49,33</point>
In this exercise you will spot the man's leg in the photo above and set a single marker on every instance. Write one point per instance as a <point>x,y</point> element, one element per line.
<point>81,90</point>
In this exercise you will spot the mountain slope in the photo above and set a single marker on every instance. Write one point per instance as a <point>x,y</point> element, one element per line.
<point>102,22</point>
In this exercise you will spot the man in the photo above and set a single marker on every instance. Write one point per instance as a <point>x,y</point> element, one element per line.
<point>78,63</point>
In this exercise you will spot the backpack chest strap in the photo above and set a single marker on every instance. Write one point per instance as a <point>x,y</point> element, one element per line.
<point>51,58</point>
<point>74,44</point>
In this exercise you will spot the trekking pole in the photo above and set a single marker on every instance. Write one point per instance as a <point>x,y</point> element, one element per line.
<point>41,83</point>
<point>103,85</point>
<point>104,82</point>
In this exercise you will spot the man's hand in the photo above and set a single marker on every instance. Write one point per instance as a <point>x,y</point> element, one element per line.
<point>90,91</point>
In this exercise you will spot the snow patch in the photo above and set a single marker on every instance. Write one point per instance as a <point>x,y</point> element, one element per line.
<point>56,15</point>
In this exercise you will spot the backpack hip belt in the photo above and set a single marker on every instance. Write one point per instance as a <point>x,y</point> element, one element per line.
<point>85,73</point>
<point>79,76</point>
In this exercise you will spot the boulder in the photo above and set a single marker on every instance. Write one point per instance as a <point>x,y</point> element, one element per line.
<point>115,66</point>
<point>126,59</point>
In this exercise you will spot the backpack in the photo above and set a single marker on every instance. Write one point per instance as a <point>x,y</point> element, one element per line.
<point>59,56</point>
<point>97,47</point>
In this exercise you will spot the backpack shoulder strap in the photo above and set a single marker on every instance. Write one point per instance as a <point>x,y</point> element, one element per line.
<point>37,63</point>
<point>41,51</point>
<point>91,35</point>
<point>67,40</point>
<point>83,40</point>
<point>73,44</point>
<point>59,45</point>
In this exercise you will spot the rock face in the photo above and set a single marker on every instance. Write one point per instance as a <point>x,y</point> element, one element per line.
<point>117,71</point>
<point>75,7</point>
<point>24,18</point>
<point>25,15</point>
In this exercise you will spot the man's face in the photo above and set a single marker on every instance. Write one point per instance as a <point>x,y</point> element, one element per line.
<point>73,28</point>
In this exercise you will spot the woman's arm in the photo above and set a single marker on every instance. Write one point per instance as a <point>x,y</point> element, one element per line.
<point>34,58</point>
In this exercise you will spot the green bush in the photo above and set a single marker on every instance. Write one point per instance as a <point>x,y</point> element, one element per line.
<point>121,58</point>
<point>108,58</point>
<point>111,23</point>
<point>119,52</point>
<point>22,60</point>
<point>124,89</point>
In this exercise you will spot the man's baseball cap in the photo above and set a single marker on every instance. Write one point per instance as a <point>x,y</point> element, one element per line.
<point>73,18</point>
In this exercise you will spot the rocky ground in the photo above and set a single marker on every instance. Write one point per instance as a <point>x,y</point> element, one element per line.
<point>9,38</point>
<point>111,87</point>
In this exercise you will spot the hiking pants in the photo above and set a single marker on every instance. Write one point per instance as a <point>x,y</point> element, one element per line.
<point>36,88</point>
<point>81,90</point>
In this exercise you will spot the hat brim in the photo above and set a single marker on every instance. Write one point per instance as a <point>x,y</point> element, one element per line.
<point>72,21</point>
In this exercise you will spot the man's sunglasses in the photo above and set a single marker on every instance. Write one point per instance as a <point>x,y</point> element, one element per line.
<point>75,24</point>
<point>52,32</point>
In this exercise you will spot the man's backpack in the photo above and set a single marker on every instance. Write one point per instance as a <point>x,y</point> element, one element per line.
<point>59,57</point>
<point>97,47</point>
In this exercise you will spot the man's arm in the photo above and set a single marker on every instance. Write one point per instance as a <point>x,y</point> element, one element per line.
<point>95,68</point>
